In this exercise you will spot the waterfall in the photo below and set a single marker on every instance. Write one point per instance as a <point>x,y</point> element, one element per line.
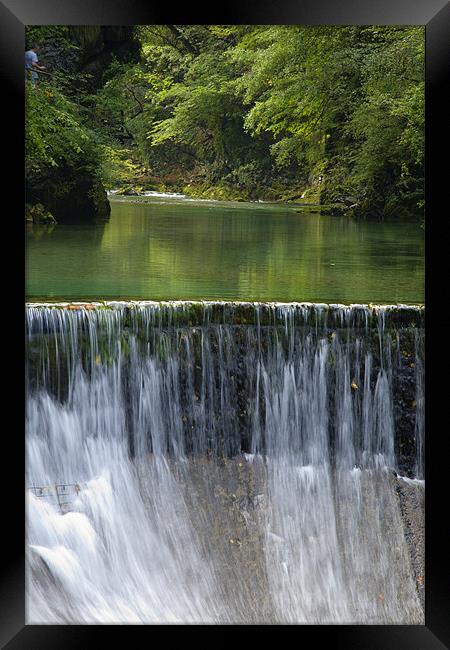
<point>222,462</point>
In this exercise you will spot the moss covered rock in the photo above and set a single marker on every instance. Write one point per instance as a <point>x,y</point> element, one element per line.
<point>38,214</point>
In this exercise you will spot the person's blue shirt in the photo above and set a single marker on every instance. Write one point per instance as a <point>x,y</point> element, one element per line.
<point>30,58</point>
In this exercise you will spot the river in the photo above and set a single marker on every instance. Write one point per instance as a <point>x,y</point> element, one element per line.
<point>172,248</point>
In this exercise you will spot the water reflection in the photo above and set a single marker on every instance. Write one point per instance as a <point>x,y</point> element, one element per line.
<point>164,249</point>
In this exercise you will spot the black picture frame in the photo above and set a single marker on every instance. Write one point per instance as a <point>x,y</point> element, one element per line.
<point>435,14</point>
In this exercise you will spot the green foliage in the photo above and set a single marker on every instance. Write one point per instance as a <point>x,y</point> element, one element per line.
<point>255,110</point>
<point>118,167</point>
<point>54,132</point>
<point>40,35</point>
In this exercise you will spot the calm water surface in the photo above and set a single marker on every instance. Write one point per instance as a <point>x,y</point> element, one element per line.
<point>183,249</point>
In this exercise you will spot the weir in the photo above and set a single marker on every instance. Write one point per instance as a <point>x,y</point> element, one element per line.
<point>237,462</point>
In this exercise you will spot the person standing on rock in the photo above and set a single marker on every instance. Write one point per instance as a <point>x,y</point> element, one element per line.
<point>32,64</point>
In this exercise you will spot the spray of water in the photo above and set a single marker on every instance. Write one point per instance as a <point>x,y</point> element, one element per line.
<point>216,467</point>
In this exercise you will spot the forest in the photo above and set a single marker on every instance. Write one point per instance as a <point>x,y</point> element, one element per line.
<point>326,115</point>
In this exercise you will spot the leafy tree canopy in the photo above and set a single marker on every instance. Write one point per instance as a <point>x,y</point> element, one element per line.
<point>335,114</point>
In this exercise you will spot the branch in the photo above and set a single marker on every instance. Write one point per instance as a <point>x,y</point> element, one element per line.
<point>180,36</point>
<point>165,40</point>
<point>139,102</point>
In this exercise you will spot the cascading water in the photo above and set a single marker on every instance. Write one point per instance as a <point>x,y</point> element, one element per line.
<point>222,462</point>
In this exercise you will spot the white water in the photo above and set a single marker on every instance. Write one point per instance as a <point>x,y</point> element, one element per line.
<point>174,195</point>
<point>172,522</point>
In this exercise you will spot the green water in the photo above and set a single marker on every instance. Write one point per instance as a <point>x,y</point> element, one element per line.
<point>177,249</point>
